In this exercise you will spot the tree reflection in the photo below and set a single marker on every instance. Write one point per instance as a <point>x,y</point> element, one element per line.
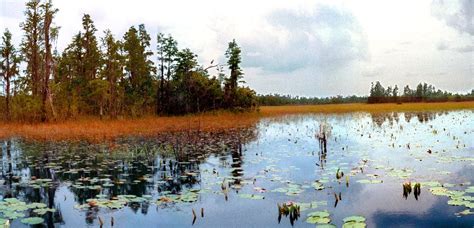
<point>393,117</point>
<point>168,164</point>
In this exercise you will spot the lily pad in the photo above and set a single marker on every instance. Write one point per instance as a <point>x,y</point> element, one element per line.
<point>13,215</point>
<point>32,220</point>
<point>42,211</point>
<point>354,218</point>
<point>325,226</point>
<point>319,220</point>
<point>251,196</point>
<point>365,181</point>
<point>319,214</point>
<point>321,217</point>
<point>37,205</point>
<point>354,225</point>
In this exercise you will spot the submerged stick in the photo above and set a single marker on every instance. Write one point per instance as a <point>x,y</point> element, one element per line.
<point>194,216</point>
<point>101,222</point>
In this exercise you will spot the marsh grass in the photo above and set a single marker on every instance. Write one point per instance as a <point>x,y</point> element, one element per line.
<point>94,129</point>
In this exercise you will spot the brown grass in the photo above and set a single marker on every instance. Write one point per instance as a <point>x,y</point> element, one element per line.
<point>362,107</point>
<point>93,129</point>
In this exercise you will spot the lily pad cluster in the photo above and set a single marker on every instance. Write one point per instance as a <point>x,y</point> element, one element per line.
<point>457,197</point>
<point>13,208</point>
<point>115,203</point>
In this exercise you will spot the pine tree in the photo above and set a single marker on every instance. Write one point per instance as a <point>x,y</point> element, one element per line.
<point>48,12</point>
<point>31,45</point>
<point>112,70</point>
<point>233,61</point>
<point>139,68</point>
<point>9,65</point>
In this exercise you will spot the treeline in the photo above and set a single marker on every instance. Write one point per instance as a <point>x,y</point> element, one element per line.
<point>277,99</point>
<point>423,93</point>
<point>109,76</point>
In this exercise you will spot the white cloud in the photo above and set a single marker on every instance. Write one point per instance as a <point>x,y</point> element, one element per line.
<point>302,47</point>
<point>457,14</point>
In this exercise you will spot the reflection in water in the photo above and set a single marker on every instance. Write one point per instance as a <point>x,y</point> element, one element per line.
<point>133,167</point>
<point>407,188</point>
<point>394,117</point>
<point>322,136</point>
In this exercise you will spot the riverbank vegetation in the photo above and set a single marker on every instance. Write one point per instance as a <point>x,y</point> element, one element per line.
<point>95,129</point>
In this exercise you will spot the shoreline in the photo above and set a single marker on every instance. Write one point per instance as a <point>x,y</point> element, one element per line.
<point>96,130</point>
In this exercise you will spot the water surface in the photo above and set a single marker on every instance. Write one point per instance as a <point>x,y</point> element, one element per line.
<point>237,178</point>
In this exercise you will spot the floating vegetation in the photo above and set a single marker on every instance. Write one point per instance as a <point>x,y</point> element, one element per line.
<point>251,196</point>
<point>366,181</point>
<point>318,217</point>
<point>354,222</point>
<point>290,190</point>
<point>311,205</point>
<point>32,220</point>
<point>318,185</point>
<point>12,208</point>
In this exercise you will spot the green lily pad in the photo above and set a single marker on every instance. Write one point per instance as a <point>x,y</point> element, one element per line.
<point>319,214</point>
<point>37,205</point>
<point>251,196</point>
<point>354,218</point>
<point>465,212</point>
<point>32,220</point>
<point>455,202</point>
<point>319,220</point>
<point>431,184</point>
<point>13,215</point>
<point>42,211</point>
<point>325,226</point>
<point>365,181</point>
<point>470,189</point>
<point>439,191</point>
<point>321,217</point>
<point>354,225</point>
<point>12,200</point>
<point>318,186</point>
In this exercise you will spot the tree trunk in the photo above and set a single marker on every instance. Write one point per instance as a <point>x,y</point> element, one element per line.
<point>51,104</point>
<point>6,75</point>
<point>47,70</point>
<point>7,87</point>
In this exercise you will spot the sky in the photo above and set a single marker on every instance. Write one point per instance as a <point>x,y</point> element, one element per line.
<point>301,48</point>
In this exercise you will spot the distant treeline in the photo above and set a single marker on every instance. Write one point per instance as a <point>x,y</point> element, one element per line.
<point>109,76</point>
<point>277,99</point>
<point>423,93</point>
<point>378,94</point>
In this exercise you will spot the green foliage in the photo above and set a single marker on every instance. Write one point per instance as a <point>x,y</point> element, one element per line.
<point>277,99</point>
<point>9,68</point>
<point>110,77</point>
<point>233,61</point>
<point>139,90</point>
<point>422,93</point>
<point>31,45</point>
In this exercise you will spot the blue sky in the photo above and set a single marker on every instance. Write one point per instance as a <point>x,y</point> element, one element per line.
<point>309,48</point>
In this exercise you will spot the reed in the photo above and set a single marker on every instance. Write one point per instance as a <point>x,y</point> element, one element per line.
<point>94,129</point>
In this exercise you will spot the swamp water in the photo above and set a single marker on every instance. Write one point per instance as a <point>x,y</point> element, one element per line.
<point>378,170</point>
